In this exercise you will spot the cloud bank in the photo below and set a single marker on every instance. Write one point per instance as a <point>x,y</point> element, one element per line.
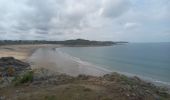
<point>127,20</point>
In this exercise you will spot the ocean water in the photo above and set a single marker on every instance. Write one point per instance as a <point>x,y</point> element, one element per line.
<point>150,61</point>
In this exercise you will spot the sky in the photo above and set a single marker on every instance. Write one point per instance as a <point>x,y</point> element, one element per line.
<point>113,20</point>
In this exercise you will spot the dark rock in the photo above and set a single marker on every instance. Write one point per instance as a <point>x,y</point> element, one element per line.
<point>10,66</point>
<point>10,61</point>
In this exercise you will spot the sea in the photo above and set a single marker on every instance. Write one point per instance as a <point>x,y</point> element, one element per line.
<point>149,61</point>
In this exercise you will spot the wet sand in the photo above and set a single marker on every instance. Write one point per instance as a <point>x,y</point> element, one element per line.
<point>57,61</point>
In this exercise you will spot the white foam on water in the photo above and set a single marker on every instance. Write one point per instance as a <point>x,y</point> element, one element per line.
<point>81,62</point>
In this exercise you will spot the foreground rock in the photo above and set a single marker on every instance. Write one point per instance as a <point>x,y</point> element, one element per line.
<point>10,66</point>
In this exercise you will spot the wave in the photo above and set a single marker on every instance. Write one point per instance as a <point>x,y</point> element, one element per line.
<point>162,82</point>
<point>81,62</point>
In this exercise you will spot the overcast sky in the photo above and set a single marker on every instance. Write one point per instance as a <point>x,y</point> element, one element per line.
<point>116,20</point>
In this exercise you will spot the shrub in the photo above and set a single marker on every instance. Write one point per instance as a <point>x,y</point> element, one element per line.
<point>25,78</point>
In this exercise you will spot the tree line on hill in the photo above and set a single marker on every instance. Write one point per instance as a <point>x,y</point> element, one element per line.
<point>66,42</point>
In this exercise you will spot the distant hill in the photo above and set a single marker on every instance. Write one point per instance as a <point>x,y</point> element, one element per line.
<point>87,42</point>
<point>77,42</point>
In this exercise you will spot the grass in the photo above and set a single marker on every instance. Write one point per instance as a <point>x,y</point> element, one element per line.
<point>114,87</point>
<point>63,92</point>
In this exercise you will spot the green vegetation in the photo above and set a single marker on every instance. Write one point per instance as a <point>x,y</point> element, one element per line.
<point>64,87</point>
<point>65,92</point>
<point>25,78</point>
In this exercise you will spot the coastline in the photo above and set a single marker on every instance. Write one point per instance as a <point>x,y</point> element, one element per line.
<point>97,59</point>
<point>71,65</point>
<point>60,62</point>
<point>88,68</point>
<point>147,79</point>
<point>24,52</point>
<point>53,71</point>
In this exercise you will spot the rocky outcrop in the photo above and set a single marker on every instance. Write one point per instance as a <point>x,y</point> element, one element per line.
<point>10,66</point>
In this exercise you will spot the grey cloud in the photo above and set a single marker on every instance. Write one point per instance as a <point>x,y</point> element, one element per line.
<point>48,16</point>
<point>91,19</point>
<point>114,8</point>
<point>131,25</point>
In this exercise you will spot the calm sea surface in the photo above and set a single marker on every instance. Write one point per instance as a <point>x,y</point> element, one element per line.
<point>148,60</point>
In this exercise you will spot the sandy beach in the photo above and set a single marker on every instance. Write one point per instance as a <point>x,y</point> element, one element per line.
<point>58,61</point>
<point>48,57</point>
<point>22,52</point>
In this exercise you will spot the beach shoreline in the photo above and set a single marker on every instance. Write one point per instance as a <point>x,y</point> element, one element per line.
<point>58,61</point>
<point>52,57</point>
<point>22,52</point>
<point>57,71</point>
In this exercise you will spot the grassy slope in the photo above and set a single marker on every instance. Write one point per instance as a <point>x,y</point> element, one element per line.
<point>64,87</point>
